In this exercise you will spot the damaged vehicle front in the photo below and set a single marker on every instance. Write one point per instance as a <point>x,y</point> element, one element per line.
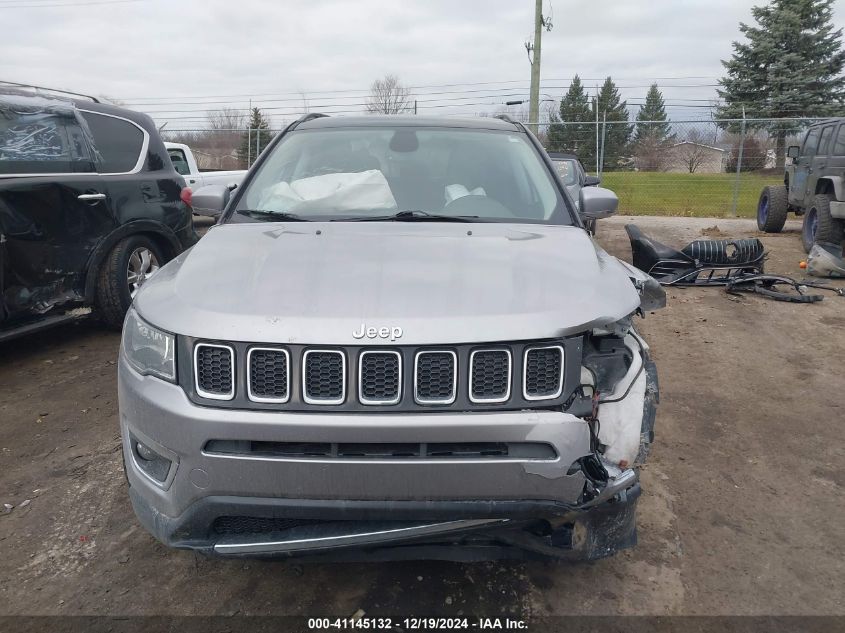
<point>409,347</point>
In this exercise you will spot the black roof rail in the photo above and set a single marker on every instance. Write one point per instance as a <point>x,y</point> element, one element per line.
<point>305,118</point>
<point>36,88</point>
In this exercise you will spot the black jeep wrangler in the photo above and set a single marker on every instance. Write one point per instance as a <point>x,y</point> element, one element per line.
<point>90,207</point>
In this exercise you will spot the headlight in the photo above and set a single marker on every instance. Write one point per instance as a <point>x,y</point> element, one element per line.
<point>148,350</point>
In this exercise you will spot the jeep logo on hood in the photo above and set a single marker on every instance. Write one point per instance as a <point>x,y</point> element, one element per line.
<point>392,332</point>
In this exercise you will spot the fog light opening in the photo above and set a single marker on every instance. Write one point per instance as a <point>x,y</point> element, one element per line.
<point>155,466</point>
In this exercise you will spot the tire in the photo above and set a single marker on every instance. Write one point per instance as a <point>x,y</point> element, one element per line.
<point>136,257</point>
<point>809,228</point>
<point>590,225</point>
<point>772,209</point>
<point>829,229</point>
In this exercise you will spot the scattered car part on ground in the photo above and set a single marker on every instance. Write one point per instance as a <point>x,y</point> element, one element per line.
<point>813,187</point>
<point>825,260</point>
<point>90,208</point>
<point>769,286</point>
<point>392,360</point>
<point>701,262</point>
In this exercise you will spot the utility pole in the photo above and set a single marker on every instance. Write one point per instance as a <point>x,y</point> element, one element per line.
<point>534,103</point>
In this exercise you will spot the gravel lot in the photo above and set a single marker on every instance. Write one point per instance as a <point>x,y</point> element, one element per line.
<point>741,511</point>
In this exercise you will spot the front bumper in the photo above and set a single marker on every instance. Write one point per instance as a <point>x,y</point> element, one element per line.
<point>390,508</point>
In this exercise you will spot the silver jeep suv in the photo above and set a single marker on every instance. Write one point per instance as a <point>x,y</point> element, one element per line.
<point>398,342</point>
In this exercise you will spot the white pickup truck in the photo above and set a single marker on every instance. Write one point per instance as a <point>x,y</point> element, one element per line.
<point>186,165</point>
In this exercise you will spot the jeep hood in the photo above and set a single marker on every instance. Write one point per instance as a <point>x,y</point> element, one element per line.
<point>316,283</point>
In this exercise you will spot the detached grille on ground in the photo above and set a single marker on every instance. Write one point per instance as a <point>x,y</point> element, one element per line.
<point>324,377</point>
<point>214,371</point>
<point>490,375</point>
<point>268,374</point>
<point>543,372</point>
<point>435,379</point>
<point>380,377</point>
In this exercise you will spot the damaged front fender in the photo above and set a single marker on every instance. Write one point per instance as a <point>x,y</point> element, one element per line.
<point>652,295</point>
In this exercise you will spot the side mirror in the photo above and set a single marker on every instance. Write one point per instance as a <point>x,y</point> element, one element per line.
<point>592,181</point>
<point>597,203</point>
<point>792,151</point>
<point>210,200</point>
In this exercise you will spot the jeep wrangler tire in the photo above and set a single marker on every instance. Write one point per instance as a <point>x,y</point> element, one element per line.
<point>772,209</point>
<point>829,229</point>
<point>124,269</point>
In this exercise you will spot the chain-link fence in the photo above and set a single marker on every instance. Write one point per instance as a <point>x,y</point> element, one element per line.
<point>690,168</point>
<point>222,148</point>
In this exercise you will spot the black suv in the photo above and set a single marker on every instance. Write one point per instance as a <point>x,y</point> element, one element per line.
<point>90,207</point>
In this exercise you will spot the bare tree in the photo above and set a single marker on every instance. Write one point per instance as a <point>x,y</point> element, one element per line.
<point>226,119</point>
<point>692,152</point>
<point>388,96</point>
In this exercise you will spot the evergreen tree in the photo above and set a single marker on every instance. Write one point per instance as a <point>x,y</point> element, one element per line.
<point>570,130</point>
<point>652,110</point>
<point>617,131</point>
<point>789,66</point>
<point>255,139</point>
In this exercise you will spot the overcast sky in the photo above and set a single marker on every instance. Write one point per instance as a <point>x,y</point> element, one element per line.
<point>176,59</point>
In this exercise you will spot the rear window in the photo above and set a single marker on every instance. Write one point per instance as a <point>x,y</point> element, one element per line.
<point>37,142</point>
<point>118,142</point>
<point>180,163</point>
<point>824,141</point>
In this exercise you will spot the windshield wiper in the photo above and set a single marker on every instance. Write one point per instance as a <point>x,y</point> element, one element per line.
<point>412,216</point>
<point>275,215</point>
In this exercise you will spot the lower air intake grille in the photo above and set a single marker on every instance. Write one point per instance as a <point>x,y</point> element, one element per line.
<point>490,375</point>
<point>214,371</point>
<point>435,377</point>
<point>380,377</point>
<point>324,377</point>
<point>256,525</point>
<point>543,377</point>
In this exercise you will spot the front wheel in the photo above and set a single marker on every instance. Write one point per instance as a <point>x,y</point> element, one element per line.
<point>772,209</point>
<point>129,264</point>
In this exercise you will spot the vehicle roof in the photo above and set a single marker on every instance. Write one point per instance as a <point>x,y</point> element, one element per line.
<point>477,123</point>
<point>27,97</point>
<point>828,121</point>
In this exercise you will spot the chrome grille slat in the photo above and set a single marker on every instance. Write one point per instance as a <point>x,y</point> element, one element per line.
<point>490,375</point>
<point>435,377</point>
<point>542,372</point>
<point>214,371</point>
<point>269,374</point>
<point>380,377</point>
<point>324,376</point>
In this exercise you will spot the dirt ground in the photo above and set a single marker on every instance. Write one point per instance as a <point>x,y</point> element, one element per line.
<point>741,511</point>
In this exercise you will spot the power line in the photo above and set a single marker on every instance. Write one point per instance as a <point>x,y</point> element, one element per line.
<point>68,4</point>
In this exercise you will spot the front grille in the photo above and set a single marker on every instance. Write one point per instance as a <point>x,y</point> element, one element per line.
<point>490,375</point>
<point>435,378</point>
<point>269,378</point>
<point>214,371</point>
<point>543,372</point>
<point>380,377</point>
<point>358,378</point>
<point>324,376</point>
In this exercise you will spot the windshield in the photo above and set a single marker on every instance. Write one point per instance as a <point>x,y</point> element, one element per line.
<point>378,172</point>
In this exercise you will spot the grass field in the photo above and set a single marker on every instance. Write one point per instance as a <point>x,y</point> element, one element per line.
<point>688,195</point>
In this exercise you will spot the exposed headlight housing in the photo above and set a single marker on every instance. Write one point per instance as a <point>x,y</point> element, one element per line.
<point>149,350</point>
